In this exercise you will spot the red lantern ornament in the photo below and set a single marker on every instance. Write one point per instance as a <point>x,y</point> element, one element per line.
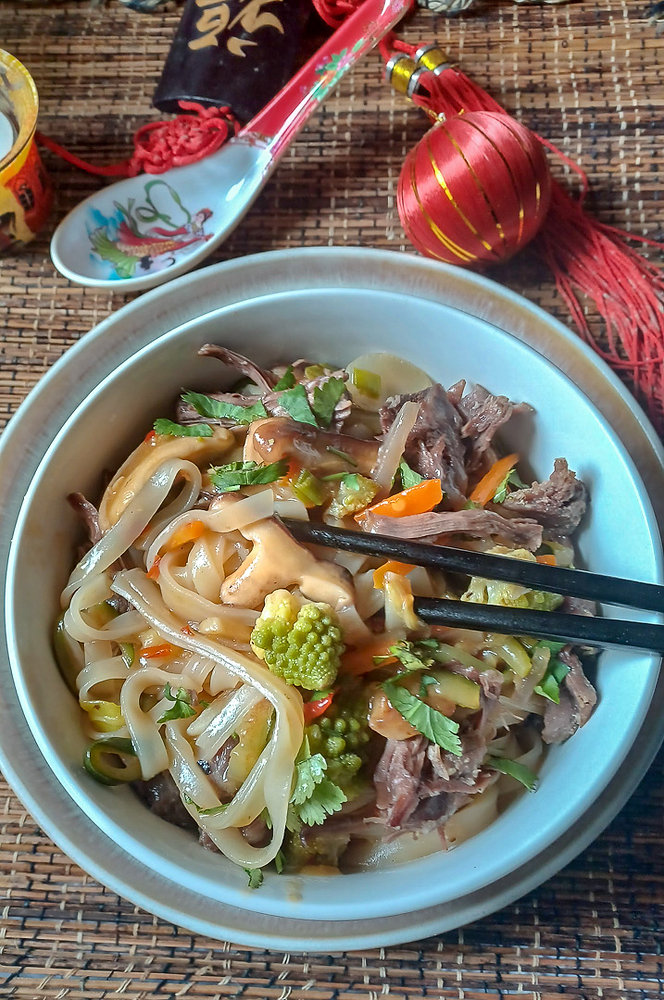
<point>474,190</point>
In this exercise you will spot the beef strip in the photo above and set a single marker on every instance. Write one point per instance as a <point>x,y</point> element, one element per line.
<point>558,502</point>
<point>162,797</point>
<point>522,532</point>
<point>484,415</point>
<point>263,378</point>
<point>434,447</point>
<point>577,700</point>
<point>88,514</point>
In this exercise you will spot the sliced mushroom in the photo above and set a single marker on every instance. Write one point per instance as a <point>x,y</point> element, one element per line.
<point>279,437</point>
<point>277,560</point>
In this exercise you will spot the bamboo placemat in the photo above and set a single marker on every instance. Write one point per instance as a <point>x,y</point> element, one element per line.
<point>586,76</point>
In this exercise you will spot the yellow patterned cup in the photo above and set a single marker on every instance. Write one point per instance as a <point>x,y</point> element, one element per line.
<point>25,192</point>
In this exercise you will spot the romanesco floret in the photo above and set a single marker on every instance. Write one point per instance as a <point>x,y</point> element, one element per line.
<point>302,644</point>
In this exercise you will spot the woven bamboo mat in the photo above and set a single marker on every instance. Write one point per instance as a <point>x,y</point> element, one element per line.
<point>588,77</point>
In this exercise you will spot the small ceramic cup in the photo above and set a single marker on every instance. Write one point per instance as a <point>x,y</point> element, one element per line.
<point>25,191</point>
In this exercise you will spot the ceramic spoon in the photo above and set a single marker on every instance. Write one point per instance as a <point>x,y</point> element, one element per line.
<point>143,231</point>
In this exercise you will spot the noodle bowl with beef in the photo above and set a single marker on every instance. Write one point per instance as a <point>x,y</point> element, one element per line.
<point>283,701</point>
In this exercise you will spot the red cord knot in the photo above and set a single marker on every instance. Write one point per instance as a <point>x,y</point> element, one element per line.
<point>335,12</point>
<point>185,139</point>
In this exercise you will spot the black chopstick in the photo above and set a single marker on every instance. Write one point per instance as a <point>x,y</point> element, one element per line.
<point>584,629</point>
<point>554,579</point>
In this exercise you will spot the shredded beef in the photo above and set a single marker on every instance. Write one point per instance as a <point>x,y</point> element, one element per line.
<point>484,415</point>
<point>522,532</point>
<point>434,447</point>
<point>559,502</point>
<point>263,378</point>
<point>162,797</point>
<point>217,769</point>
<point>577,700</point>
<point>89,515</point>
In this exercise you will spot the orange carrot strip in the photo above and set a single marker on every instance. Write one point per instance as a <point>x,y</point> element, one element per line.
<point>419,499</point>
<point>547,560</point>
<point>360,660</point>
<point>187,533</point>
<point>485,490</point>
<point>156,652</point>
<point>153,572</point>
<point>392,566</point>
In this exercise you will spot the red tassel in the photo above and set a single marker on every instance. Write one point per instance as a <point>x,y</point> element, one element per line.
<point>587,258</point>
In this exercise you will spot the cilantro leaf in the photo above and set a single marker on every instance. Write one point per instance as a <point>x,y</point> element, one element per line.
<point>408,654</point>
<point>213,810</point>
<point>315,797</point>
<point>255,876</point>
<point>229,478</point>
<point>218,410</point>
<point>309,773</point>
<point>287,380</point>
<point>296,403</point>
<point>511,479</point>
<point>279,862</point>
<point>425,681</point>
<point>326,397</point>
<point>428,721</point>
<point>181,708</point>
<point>326,798</point>
<point>164,426</point>
<point>408,476</point>
<point>515,770</point>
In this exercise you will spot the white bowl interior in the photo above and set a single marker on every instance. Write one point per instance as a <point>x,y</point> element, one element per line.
<point>620,537</point>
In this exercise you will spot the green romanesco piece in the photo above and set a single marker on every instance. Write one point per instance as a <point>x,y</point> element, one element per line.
<point>353,493</point>
<point>510,595</point>
<point>301,644</point>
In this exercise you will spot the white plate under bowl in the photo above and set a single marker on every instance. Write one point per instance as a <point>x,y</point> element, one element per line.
<point>331,304</point>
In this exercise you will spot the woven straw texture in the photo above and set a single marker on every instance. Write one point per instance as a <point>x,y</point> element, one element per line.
<point>587,76</point>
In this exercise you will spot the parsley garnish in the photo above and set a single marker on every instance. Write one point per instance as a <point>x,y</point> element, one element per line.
<point>315,797</point>
<point>287,380</point>
<point>511,479</point>
<point>164,426</point>
<point>181,708</point>
<point>216,409</point>
<point>425,681</point>
<point>515,770</point>
<point>408,476</point>
<point>296,402</point>
<point>201,810</point>
<point>229,478</point>
<point>326,397</point>
<point>255,876</point>
<point>279,862</point>
<point>412,656</point>
<point>428,721</point>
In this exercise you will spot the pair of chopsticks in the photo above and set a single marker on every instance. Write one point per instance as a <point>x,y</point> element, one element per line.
<point>509,621</point>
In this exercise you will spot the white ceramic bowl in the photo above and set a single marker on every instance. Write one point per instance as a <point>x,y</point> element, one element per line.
<point>334,305</point>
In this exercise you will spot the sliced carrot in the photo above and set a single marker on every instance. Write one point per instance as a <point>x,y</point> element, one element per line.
<point>153,572</point>
<point>418,499</point>
<point>187,630</point>
<point>361,660</point>
<point>485,490</point>
<point>187,533</point>
<point>547,560</point>
<point>156,652</point>
<point>392,566</point>
<point>150,437</point>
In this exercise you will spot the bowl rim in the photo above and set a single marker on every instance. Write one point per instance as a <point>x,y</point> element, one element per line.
<point>373,262</point>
